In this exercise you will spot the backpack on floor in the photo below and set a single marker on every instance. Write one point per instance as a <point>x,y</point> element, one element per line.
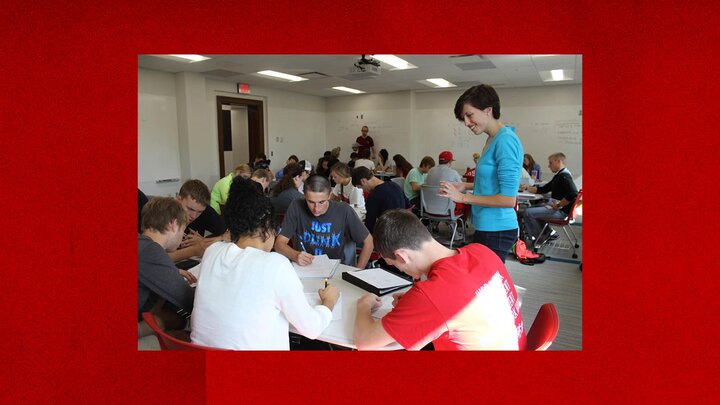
<point>526,256</point>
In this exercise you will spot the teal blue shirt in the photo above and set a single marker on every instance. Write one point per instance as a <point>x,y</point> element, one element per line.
<point>413,176</point>
<point>498,172</point>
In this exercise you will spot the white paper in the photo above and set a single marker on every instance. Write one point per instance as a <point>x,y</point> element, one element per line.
<point>322,266</point>
<point>380,278</point>
<point>314,299</point>
<point>382,310</point>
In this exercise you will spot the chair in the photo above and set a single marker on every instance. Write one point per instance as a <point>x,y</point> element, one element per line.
<point>565,223</point>
<point>399,180</point>
<point>436,208</point>
<point>544,328</point>
<point>168,342</point>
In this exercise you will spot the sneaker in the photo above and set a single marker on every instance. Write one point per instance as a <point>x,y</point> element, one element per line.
<point>554,235</point>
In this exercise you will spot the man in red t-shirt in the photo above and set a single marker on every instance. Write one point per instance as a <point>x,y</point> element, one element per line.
<point>468,301</point>
<point>366,142</point>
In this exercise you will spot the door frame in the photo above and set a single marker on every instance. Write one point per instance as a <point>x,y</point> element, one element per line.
<point>256,127</point>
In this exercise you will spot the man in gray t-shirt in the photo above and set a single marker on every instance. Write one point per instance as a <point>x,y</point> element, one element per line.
<point>321,226</point>
<point>443,171</point>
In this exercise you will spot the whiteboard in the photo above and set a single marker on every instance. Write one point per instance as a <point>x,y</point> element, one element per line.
<point>158,147</point>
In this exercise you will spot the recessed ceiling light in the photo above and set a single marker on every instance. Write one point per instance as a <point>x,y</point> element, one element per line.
<point>556,75</point>
<point>284,76</point>
<point>438,82</point>
<point>394,61</point>
<point>348,89</point>
<point>192,58</point>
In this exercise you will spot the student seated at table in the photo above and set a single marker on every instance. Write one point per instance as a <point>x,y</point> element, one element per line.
<point>195,198</point>
<point>402,166</point>
<point>415,179</point>
<point>365,160</point>
<point>529,165</point>
<point>280,173</point>
<point>220,190</point>
<point>159,281</point>
<point>288,189</point>
<point>382,164</point>
<point>246,294</point>
<point>353,158</point>
<point>263,177</point>
<point>562,191</point>
<point>468,301</point>
<point>382,195</point>
<point>444,172</point>
<point>322,226</point>
<point>345,191</point>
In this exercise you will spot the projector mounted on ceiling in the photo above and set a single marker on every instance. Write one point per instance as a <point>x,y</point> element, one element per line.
<point>365,68</point>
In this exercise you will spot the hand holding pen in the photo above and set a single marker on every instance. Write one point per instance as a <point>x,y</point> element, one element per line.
<point>304,258</point>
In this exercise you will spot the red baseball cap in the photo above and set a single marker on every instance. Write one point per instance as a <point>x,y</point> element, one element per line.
<point>446,156</point>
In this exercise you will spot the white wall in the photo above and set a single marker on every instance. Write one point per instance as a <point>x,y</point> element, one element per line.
<point>157,131</point>
<point>239,129</point>
<point>177,127</point>
<point>416,124</point>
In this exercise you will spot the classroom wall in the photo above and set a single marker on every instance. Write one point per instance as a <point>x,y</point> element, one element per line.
<point>416,124</point>
<point>177,128</point>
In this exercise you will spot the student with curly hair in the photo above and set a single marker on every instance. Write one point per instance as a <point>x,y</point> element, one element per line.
<point>246,294</point>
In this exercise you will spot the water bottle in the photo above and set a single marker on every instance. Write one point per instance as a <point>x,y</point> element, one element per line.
<point>534,175</point>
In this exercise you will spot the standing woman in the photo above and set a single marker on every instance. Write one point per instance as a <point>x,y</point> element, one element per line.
<point>497,174</point>
<point>247,295</point>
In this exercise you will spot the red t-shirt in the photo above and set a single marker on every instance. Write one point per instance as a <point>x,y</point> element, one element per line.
<point>468,302</point>
<point>365,143</point>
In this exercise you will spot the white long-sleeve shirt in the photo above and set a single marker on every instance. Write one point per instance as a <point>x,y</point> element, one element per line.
<point>245,299</point>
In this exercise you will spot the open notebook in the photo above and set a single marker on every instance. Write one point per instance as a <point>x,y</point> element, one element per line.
<point>321,267</point>
<point>314,299</point>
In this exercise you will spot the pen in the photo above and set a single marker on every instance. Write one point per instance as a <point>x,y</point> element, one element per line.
<point>302,245</point>
<point>326,283</point>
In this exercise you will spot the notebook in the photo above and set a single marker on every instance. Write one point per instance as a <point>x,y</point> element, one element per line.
<point>321,267</point>
<point>377,281</point>
<point>314,299</point>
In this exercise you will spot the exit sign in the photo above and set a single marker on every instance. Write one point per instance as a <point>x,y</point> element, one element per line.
<point>243,88</point>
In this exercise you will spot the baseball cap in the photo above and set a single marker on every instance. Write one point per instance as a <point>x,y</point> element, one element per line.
<point>307,166</point>
<point>446,156</point>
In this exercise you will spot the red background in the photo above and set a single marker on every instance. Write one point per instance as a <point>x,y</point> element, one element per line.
<point>69,119</point>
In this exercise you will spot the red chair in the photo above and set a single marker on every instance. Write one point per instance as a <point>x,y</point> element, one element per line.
<point>565,223</point>
<point>168,342</point>
<point>544,328</point>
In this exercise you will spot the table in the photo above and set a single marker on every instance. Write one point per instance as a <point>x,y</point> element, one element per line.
<point>523,196</point>
<point>340,332</point>
<point>385,175</point>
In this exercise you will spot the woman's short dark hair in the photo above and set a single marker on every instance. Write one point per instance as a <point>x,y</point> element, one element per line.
<point>481,97</point>
<point>399,229</point>
<point>248,212</point>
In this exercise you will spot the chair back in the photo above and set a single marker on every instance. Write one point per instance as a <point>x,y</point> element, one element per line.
<point>435,205</point>
<point>168,342</point>
<point>399,180</point>
<point>576,205</point>
<point>544,328</point>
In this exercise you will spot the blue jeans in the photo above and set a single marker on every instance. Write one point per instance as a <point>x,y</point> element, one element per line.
<point>499,242</point>
<point>533,218</point>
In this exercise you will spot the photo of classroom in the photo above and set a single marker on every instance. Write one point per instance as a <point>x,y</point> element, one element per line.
<point>356,202</point>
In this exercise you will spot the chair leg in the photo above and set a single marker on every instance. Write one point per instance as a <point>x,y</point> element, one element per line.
<point>574,255</point>
<point>575,238</point>
<point>539,244</point>
<point>452,237</point>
